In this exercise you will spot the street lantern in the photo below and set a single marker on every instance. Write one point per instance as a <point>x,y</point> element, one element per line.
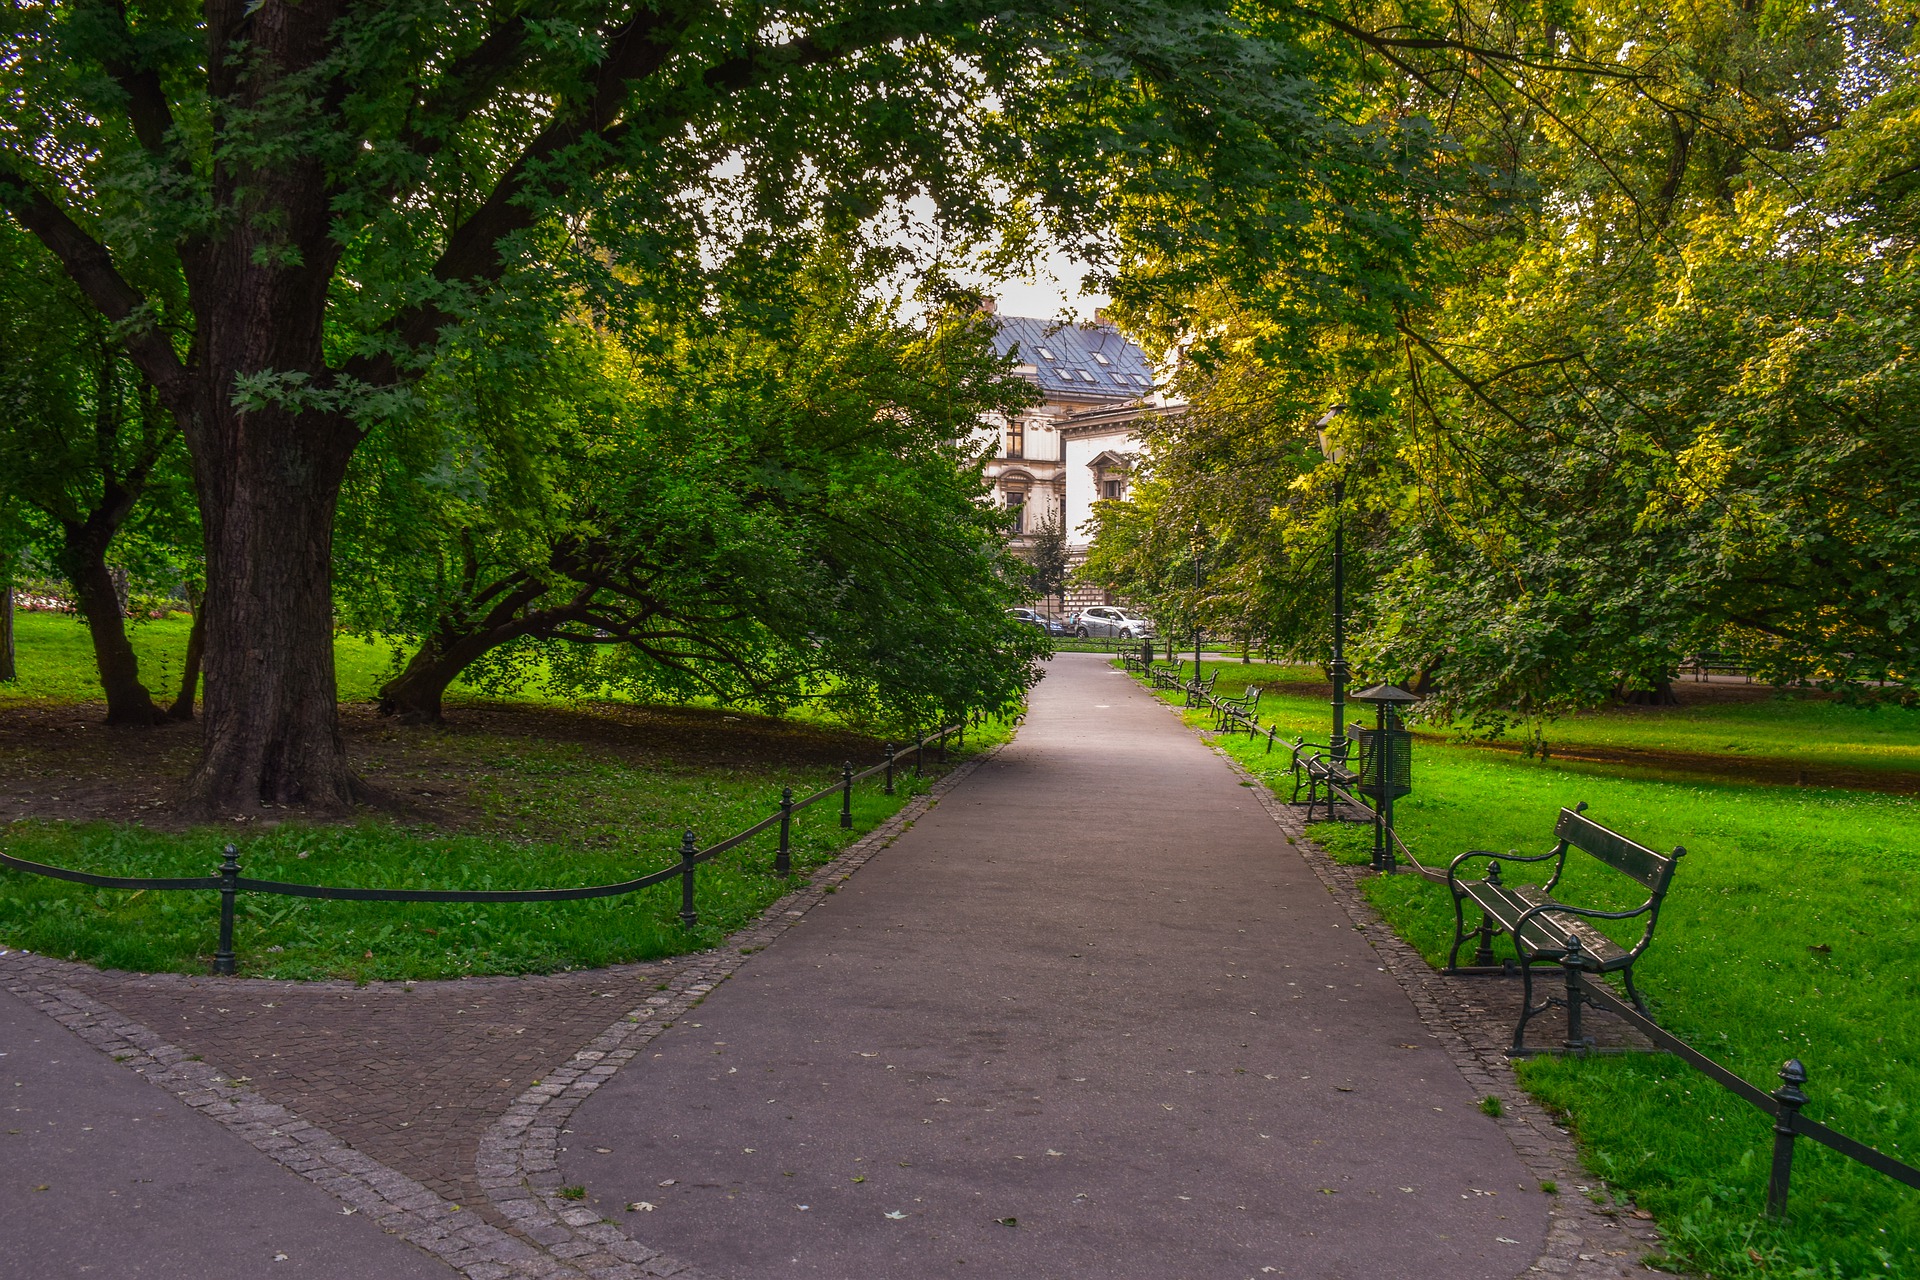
<point>1337,669</point>
<point>1387,771</point>
<point>1333,452</point>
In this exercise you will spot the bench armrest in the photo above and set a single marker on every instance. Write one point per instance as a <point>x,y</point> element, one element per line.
<point>1454,866</point>
<point>1588,912</point>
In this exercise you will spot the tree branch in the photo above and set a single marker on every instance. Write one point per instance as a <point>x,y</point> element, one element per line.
<point>91,267</point>
<point>147,107</point>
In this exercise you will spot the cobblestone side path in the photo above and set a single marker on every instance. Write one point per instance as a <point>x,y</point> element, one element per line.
<point>103,1175</point>
<point>1091,1017</point>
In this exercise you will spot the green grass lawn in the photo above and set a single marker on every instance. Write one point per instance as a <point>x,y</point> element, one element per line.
<point>639,814</point>
<point>55,660</point>
<point>518,803</point>
<point>1791,728</point>
<point>1771,874</point>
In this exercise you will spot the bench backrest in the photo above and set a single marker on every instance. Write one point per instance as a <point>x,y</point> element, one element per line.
<point>1651,869</point>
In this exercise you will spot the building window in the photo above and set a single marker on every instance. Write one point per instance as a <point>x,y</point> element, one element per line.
<point>1017,506</point>
<point>1111,489</point>
<point>1048,354</point>
<point>1102,359</point>
<point>1016,439</point>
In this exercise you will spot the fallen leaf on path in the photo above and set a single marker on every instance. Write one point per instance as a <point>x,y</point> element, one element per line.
<point>640,1206</point>
<point>895,1214</point>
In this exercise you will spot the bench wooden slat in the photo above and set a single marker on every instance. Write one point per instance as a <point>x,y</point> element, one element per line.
<point>1547,931</point>
<point>1623,855</point>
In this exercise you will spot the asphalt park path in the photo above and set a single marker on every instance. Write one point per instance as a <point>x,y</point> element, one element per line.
<point>101,1174</point>
<point>1089,1017</point>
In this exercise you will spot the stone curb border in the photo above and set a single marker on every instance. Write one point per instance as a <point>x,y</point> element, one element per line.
<point>1584,1240</point>
<point>550,1236</point>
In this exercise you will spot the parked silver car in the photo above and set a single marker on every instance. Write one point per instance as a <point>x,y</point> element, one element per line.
<point>1110,620</point>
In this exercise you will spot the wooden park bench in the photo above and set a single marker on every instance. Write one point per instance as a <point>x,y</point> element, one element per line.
<point>1547,929</point>
<point>1242,712</point>
<point>1200,692</point>
<point>1315,768</point>
<point>1136,657</point>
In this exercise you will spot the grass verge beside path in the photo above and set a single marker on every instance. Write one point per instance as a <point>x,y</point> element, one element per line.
<point>518,793</point>
<point>620,820</point>
<point>1790,932</point>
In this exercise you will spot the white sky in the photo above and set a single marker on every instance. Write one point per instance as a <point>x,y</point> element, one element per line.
<point>1054,289</point>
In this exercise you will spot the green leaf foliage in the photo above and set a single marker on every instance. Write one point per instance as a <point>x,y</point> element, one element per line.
<point>770,501</point>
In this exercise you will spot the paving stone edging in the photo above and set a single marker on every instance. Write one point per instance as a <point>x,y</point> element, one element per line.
<point>549,1236</point>
<point>519,1153</point>
<point>1584,1240</point>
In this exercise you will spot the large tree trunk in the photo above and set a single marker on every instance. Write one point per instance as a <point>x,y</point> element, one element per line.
<point>8,671</point>
<point>128,701</point>
<point>270,445</point>
<point>272,725</point>
<point>182,708</point>
<point>1661,695</point>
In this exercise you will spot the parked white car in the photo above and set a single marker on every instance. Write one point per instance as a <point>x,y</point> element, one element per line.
<point>1110,620</point>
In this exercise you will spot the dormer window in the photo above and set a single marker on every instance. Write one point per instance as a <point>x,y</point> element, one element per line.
<point>1048,354</point>
<point>1102,359</point>
<point>1084,374</point>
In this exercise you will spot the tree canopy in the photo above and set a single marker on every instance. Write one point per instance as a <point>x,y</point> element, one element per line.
<point>767,504</point>
<point>291,214</point>
<point>1647,391</point>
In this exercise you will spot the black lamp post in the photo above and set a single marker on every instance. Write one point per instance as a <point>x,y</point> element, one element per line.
<point>1337,669</point>
<point>1197,603</point>
<point>1196,615</point>
<point>1385,774</point>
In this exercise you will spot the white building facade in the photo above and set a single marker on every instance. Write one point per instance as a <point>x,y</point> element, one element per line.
<point>1078,445</point>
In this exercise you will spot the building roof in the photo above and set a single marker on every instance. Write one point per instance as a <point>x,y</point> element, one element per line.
<point>1076,361</point>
